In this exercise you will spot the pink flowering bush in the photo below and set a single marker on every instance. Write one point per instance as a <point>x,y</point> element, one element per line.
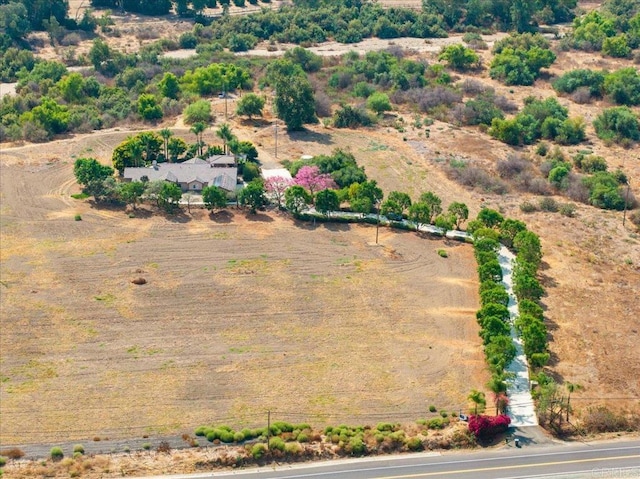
<point>486,427</point>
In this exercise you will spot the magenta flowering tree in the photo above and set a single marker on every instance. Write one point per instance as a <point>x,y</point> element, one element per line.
<point>310,178</point>
<point>275,186</point>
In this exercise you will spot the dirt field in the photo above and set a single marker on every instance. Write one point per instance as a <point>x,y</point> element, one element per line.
<point>243,315</point>
<point>238,316</point>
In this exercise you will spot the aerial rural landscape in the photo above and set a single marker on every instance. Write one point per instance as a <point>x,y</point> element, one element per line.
<point>233,234</point>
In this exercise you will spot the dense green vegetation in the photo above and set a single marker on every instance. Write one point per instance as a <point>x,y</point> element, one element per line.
<point>539,119</point>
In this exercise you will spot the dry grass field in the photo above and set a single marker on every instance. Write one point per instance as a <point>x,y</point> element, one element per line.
<point>245,314</point>
<point>239,315</point>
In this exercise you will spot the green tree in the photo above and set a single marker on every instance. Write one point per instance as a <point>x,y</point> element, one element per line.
<point>623,86</point>
<point>14,21</point>
<point>225,134</point>
<point>198,112</point>
<point>166,135</point>
<point>490,271</point>
<point>296,198</point>
<point>478,398</point>
<point>88,170</point>
<point>214,197</point>
<point>617,46</point>
<point>250,105</point>
<point>308,61</point>
<point>99,53</point>
<point>245,148</point>
<point>252,196</point>
<point>294,102</point>
<point>71,87</point>
<point>131,192</point>
<point>148,107</point>
<point>169,86</point>
<point>327,201</point>
<point>617,124</point>
<point>198,129</point>
<point>459,57</point>
<point>379,102</point>
<point>434,203</point>
<point>460,211</point>
<point>169,196</point>
<point>509,228</point>
<point>52,116</point>
<point>490,218</point>
<point>420,214</point>
<point>176,148</point>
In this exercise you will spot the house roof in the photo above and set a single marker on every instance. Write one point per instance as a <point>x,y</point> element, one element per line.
<point>185,172</point>
<point>283,172</point>
<point>221,160</point>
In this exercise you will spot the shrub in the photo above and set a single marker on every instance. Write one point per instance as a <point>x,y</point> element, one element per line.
<point>3,461</point>
<point>548,204</point>
<point>227,436</point>
<point>513,166</point>
<point>528,207</point>
<point>616,46</point>
<point>576,79</point>
<point>77,218</point>
<point>78,448</point>
<point>414,444</point>
<point>146,446</point>
<point>12,453</point>
<point>276,443</point>
<point>350,117</point>
<point>293,448</point>
<point>356,446</point>
<point>258,450</point>
<point>56,453</point>
<point>486,427</point>
<point>590,163</point>
<point>567,209</point>
<point>601,419</point>
<point>436,423</point>
<point>432,408</point>
<point>164,447</point>
<point>442,253</point>
<point>617,124</point>
<point>623,86</point>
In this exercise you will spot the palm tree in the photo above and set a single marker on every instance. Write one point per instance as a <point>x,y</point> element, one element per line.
<point>224,133</point>
<point>197,129</point>
<point>478,398</point>
<point>166,133</point>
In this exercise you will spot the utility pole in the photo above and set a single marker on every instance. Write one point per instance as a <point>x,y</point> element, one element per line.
<point>225,100</point>
<point>626,201</point>
<point>378,222</point>
<point>276,152</point>
<point>268,427</point>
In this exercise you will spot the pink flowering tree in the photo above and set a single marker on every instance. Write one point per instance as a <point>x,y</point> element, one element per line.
<point>275,186</point>
<point>310,178</point>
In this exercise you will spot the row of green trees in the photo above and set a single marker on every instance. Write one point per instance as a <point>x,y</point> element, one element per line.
<point>490,229</point>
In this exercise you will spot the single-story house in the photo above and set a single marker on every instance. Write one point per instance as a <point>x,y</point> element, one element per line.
<point>192,175</point>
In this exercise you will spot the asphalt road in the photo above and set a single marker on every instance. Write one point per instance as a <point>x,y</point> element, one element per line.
<point>602,460</point>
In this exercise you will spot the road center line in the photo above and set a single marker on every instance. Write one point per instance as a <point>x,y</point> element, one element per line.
<point>501,468</point>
